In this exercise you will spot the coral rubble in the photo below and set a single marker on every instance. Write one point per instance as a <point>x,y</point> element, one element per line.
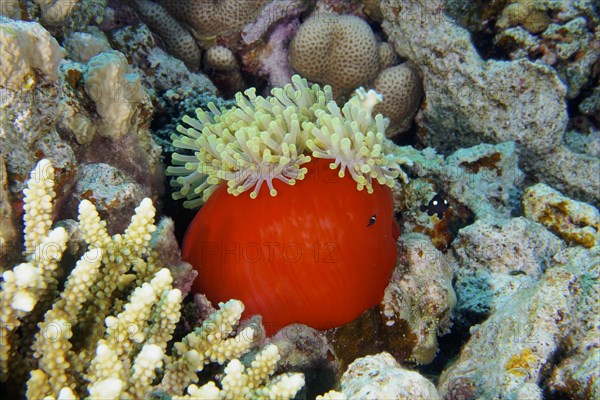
<point>572,220</point>
<point>380,376</point>
<point>523,335</point>
<point>417,304</point>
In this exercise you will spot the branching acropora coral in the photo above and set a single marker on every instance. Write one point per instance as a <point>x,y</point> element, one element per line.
<point>265,139</point>
<point>28,282</point>
<point>95,340</point>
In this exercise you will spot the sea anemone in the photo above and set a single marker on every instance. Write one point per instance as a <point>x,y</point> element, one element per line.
<point>262,139</point>
<point>319,248</point>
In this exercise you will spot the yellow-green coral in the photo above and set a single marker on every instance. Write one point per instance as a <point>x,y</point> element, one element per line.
<point>332,395</point>
<point>574,221</point>
<point>263,139</point>
<point>106,334</point>
<point>531,15</point>
<point>521,364</point>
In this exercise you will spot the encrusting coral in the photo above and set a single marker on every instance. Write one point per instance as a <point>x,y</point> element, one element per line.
<point>25,46</point>
<point>574,221</point>
<point>56,12</point>
<point>11,9</point>
<point>530,14</point>
<point>82,46</point>
<point>263,139</point>
<point>95,340</point>
<point>115,90</point>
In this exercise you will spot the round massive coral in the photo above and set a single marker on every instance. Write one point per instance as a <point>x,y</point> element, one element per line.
<point>402,91</point>
<point>318,246</point>
<point>211,18</point>
<point>339,50</point>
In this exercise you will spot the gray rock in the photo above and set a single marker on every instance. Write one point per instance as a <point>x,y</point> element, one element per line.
<point>470,100</point>
<point>495,259</point>
<point>507,355</point>
<point>485,178</point>
<point>574,174</point>
<point>113,193</point>
<point>576,375</point>
<point>381,377</point>
<point>420,298</point>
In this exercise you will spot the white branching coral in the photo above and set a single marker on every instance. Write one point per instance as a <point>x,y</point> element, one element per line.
<point>132,332</point>
<point>106,334</point>
<point>263,139</point>
<point>240,382</point>
<point>28,282</point>
<point>39,195</point>
<point>52,345</point>
<point>208,343</point>
<point>120,253</point>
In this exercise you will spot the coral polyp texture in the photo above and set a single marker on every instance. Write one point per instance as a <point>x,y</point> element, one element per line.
<point>339,50</point>
<point>178,40</point>
<point>208,18</point>
<point>105,335</point>
<point>343,51</point>
<point>402,91</point>
<point>262,139</point>
<point>222,66</point>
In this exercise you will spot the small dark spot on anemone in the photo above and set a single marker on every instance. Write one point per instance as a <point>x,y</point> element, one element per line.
<point>372,219</point>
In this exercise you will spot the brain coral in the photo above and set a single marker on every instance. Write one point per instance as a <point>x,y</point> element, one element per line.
<point>402,92</point>
<point>529,14</point>
<point>387,55</point>
<point>220,58</point>
<point>223,69</point>
<point>208,18</point>
<point>338,50</point>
